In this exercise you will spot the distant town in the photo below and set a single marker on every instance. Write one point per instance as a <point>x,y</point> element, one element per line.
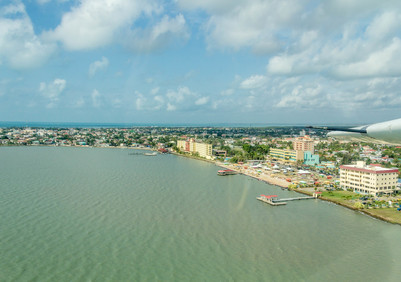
<point>358,175</point>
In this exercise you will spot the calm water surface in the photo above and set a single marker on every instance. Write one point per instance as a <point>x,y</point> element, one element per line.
<point>82,214</point>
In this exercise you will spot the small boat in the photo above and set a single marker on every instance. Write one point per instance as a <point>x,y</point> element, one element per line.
<point>150,154</point>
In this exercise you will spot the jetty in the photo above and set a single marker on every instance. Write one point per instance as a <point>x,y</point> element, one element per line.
<point>273,200</point>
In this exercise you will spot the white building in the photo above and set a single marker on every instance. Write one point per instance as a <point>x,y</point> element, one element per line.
<point>368,179</point>
<point>204,150</point>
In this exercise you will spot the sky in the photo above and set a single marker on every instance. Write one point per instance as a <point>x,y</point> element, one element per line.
<point>200,62</point>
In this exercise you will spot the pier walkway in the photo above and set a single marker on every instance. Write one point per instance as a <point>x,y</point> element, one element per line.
<point>294,199</point>
<point>275,201</point>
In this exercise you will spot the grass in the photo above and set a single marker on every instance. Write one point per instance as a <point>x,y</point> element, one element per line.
<point>388,214</point>
<point>341,196</point>
<point>346,197</point>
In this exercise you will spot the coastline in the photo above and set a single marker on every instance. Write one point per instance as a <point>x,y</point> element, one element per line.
<point>282,183</point>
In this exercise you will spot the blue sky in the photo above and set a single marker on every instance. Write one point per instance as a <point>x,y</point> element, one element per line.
<point>184,61</point>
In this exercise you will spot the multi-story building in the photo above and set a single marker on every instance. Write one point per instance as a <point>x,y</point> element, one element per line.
<point>311,159</point>
<point>286,155</point>
<point>304,144</point>
<point>204,150</point>
<point>368,179</point>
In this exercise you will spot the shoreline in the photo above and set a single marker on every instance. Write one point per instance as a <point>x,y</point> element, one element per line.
<point>282,183</point>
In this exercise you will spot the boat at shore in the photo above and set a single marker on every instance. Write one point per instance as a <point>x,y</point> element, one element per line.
<point>150,154</point>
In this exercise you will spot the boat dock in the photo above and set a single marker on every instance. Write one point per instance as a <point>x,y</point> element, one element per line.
<point>275,201</point>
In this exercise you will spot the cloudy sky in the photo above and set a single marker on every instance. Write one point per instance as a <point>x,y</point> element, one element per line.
<point>209,61</point>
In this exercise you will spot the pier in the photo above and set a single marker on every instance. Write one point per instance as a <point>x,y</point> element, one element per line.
<point>295,199</point>
<point>273,200</point>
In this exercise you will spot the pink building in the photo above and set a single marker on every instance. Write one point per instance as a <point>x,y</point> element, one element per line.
<point>304,144</point>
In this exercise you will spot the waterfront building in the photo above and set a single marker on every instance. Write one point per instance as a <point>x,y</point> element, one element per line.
<point>191,146</point>
<point>286,155</point>
<point>368,179</point>
<point>304,144</point>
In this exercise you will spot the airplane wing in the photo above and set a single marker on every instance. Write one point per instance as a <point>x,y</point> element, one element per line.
<point>388,132</point>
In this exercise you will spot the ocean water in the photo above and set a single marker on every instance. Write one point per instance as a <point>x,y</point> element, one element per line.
<point>89,214</point>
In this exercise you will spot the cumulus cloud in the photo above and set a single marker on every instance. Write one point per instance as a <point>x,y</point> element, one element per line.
<point>252,23</point>
<point>382,63</point>
<point>20,47</point>
<point>158,36</point>
<point>98,65</point>
<point>182,98</point>
<point>52,91</point>
<point>95,23</point>
<point>255,81</point>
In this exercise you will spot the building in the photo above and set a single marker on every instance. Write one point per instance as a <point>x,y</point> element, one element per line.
<point>368,179</point>
<point>286,155</point>
<point>311,159</point>
<point>304,144</point>
<point>204,150</point>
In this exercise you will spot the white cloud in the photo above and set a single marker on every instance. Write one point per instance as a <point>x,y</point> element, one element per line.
<point>251,23</point>
<point>202,101</point>
<point>179,95</point>
<point>51,91</point>
<point>98,65</point>
<point>20,48</point>
<point>180,99</point>
<point>303,97</point>
<point>95,23</point>
<point>165,32</point>
<point>155,90</point>
<point>255,81</point>
<point>382,63</point>
<point>171,107</point>
<point>96,98</point>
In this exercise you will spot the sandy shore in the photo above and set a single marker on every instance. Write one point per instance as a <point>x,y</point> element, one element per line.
<point>260,176</point>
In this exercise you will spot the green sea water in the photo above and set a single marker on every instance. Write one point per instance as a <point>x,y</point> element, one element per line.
<point>86,214</point>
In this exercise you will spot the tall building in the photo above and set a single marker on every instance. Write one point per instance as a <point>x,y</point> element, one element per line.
<point>204,150</point>
<point>368,179</point>
<point>304,144</point>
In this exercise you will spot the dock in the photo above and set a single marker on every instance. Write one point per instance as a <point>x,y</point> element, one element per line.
<point>273,200</point>
<point>295,199</point>
<point>269,201</point>
<point>226,172</point>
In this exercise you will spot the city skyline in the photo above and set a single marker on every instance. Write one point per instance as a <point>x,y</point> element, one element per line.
<point>274,62</point>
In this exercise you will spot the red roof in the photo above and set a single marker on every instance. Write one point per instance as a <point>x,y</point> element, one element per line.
<point>269,196</point>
